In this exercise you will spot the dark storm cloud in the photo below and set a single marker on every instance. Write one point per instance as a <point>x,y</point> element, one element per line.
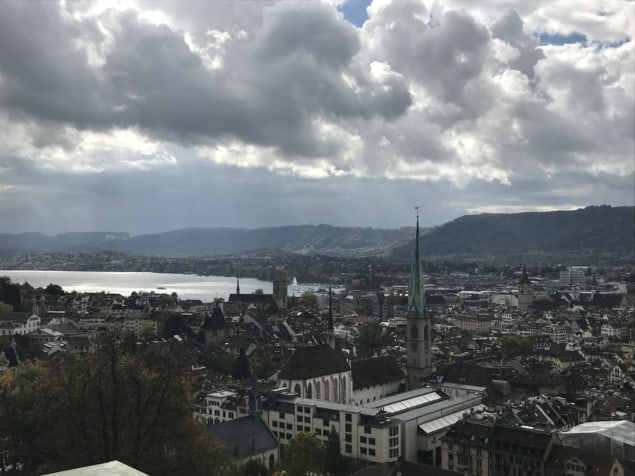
<point>272,86</point>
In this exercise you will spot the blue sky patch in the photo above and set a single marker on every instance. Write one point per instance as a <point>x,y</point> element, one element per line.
<point>558,39</point>
<point>355,11</point>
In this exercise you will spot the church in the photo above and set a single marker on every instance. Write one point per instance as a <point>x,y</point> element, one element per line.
<point>323,372</point>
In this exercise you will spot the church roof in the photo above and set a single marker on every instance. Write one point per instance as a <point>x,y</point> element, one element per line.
<point>416,291</point>
<point>378,371</point>
<point>314,361</point>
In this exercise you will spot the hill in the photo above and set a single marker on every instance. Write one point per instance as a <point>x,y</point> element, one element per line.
<point>593,229</point>
<point>600,229</point>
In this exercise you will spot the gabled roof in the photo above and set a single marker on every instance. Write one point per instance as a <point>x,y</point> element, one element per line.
<point>314,361</point>
<point>378,371</point>
<point>246,437</point>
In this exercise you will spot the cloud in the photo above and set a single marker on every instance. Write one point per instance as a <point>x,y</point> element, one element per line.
<point>448,95</point>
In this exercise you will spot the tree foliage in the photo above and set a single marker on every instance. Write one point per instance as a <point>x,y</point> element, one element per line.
<point>304,453</point>
<point>241,366</point>
<point>370,337</point>
<point>83,410</point>
<point>334,464</point>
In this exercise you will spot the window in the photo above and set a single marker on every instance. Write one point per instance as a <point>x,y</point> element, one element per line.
<point>371,451</point>
<point>326,432</point>
<point>318,431</point>
<point>367,429</point>
<point>394,441</point>
<point>299,427</point>
<point>371,441</point>
<point>274,424</point>
<point>307,409</point>
<point>289,426</point>
<point>325,423</point>
<point>362,439</point>
<point>289,436</point>
<point>348,417</point>
<point>393,453</point>
<point>362,450</point>
<point>348,438</point>
<point>348,427</point>
<point>394,431</point>
<point>347,449</point>
<point>281,416</point>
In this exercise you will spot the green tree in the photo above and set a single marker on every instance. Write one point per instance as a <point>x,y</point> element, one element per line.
<point>307,299</point>
<point>303,453</point>
<point>80,410</point>
<point>5,307</point>
<point>514,345</point>
<point>254,467</point>
<point>370,337</point>
<point>334,464</point>
<point>241,366</point>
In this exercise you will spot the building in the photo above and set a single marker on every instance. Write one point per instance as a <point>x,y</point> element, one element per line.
<point>376,378</point>
<point>318,372</point>
<point>525,292</point>
<point>419,325</point>
<point>379,432</point>
<point>487,448</point>
<point>248,438</point>
<point>280,287</point>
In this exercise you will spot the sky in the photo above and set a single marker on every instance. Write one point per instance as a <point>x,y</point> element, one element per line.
<point>145,116</point>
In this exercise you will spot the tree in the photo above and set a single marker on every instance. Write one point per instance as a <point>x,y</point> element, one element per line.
<point>304,453</point>
<point>5,307</point>
<point>370,337</point>
<point>79,410</point>
<point>254,467</point>
<point>241,366</point>
<point>54,290</point>
<point>307,299</point>
<point>334,464</point>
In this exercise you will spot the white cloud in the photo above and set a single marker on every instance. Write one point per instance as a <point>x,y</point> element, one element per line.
<point>450,91</point>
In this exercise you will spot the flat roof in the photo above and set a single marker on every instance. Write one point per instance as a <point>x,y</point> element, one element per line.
<point>112,468</point>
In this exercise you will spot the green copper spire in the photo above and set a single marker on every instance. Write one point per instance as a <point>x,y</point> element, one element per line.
<point>416,291</point>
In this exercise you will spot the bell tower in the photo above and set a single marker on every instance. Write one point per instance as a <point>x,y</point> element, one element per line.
<point>418,340</point>
<point>525,291</point>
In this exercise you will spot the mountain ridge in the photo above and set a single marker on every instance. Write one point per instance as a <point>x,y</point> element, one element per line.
<point>601,228</point>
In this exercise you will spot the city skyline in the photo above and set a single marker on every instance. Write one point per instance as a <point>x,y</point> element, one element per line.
<point>145,117</point>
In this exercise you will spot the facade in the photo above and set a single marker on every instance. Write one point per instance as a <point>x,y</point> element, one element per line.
<point>419,325</point>
<point>318,372</point>
<point>381,431</point>
<point>485,448</point>
<point>365,433</point>
<point>280,283</point>
<point>525,292</point>
<point>374,379</point>
<point>219,406</point>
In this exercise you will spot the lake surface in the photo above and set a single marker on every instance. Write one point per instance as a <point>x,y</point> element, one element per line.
<point>187,286</point>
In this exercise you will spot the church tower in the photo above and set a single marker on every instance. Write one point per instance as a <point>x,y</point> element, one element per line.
<point>525,291</point>
<point>280,283</point>
<point>418,341</point>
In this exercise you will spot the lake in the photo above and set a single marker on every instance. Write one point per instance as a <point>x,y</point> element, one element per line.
<point>187,286</point>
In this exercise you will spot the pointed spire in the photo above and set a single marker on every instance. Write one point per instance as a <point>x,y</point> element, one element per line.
<point>330,309</point>
<point>524,279</point>
<point>416,292</point>
<point>237,286</point>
